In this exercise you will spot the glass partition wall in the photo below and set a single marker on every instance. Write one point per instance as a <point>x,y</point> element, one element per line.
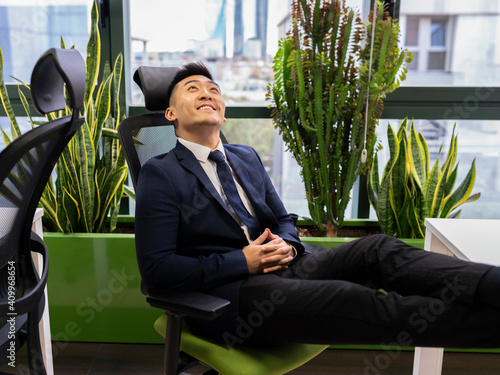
<point>454,77</point>
<point>478,141</point>
<point>237,40</point>
<point>453,81</point>
<point>27,29</point>
<point>454,46</point>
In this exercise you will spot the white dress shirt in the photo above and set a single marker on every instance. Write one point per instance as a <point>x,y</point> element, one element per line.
<point>201,153</point>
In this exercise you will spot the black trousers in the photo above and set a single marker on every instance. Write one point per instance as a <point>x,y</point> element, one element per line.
<point>376,290</point>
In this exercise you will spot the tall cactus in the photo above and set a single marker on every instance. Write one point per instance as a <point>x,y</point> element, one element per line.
<point>319,92</point>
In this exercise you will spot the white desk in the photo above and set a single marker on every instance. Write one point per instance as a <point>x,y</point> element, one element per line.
<point>467,239</point>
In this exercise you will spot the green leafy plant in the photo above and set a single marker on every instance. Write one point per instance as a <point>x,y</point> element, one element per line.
<point>89,176</point>
<point>410,190</point>
<point>321,88</point>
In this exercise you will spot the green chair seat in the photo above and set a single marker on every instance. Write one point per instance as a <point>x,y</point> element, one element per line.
<point>243,360</point>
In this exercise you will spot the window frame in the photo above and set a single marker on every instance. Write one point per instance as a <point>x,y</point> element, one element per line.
<point>424,46</point>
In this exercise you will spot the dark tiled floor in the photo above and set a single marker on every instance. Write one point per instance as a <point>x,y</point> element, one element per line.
<point>125,359</point>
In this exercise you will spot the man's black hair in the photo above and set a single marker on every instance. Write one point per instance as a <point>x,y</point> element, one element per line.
<point>188,70</point>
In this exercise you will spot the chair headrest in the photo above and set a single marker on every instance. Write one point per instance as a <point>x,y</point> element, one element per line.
<point>154,82</point>
<point>53,69</point>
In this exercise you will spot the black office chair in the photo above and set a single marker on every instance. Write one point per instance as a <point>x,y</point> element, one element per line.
<point>25,167</point>
<point>149,135</point>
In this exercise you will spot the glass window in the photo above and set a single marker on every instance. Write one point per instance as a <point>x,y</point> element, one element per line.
<point>257,133</point>
<point>236,39</point>
<point>414,63</point>
<point>412,31</point>
<point>436,61</point>
<point>24,126</point>
<point>426,39</point>
<point>454,44</point>
<point>29,28</point>
<point>280,164</point>
<point>438,31</point>
<point>478,140</point>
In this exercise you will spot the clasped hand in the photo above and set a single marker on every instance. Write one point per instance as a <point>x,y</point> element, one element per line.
<point>265,257</point>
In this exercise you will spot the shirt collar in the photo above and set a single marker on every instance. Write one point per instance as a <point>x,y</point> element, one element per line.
<point>201,152</point>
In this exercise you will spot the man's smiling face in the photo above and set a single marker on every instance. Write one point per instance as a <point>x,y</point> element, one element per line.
<point>196,101</point>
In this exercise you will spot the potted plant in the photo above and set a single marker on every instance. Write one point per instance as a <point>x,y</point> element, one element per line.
<point>410,190</point>
<point>90,174</point>
<point>94,282</point>
<point>331,73</point>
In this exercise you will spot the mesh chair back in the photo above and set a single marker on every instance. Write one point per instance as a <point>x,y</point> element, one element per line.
<point>26,165</point>
<point>143,137</point>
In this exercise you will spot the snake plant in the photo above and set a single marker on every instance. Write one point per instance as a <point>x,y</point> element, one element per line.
<point>322,80</point>
<point>88,183</point>
<point>410,190</point>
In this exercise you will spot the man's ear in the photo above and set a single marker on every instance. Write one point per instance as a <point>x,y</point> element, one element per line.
<point>170,115</point>
<point>225,119</point>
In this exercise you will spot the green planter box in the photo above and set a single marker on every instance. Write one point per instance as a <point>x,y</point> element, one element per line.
<point>328,242</point>
<point>94,290</point>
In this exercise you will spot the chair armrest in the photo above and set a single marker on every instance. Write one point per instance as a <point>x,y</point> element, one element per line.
<point>192,304</point>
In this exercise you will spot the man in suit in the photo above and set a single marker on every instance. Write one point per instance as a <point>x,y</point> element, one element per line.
<point>209,219</point>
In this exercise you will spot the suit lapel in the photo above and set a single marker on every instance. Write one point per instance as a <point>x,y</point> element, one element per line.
<point>188,161</point>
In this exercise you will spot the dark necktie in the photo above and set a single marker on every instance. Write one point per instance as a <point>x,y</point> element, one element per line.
<point>232,195</point>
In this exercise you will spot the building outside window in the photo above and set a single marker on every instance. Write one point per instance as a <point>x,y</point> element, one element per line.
<point>27,29</point>
<point>454,43</point>
<point>456,46</point>
<point>236,39</point>
<point>427,38</point>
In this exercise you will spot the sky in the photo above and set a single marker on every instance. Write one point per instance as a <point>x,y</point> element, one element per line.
<point>167,24</point>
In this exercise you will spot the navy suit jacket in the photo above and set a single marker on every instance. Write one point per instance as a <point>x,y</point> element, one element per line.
<point>186,238</point>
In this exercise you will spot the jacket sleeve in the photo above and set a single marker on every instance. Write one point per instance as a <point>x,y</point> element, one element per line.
<point>157,221</point>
